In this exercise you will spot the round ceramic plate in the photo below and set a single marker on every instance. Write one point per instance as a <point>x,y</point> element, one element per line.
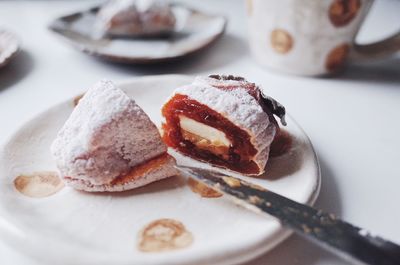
<point>9,46</point>
<point>194,31</point>
<point>72,227</point>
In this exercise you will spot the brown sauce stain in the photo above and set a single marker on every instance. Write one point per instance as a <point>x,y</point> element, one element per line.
<point>281,144</point>
<point>255,200</point>
<point>342,12</point>
<point>164,235</point>
<point>281,41</point>
<point>77,99</point>
<point>231,181</point>
<point>257,187</point>
<point>142,169</point>
<point>38,184</point>
<point>336,57</point>
<point>202,189</point>
<point>249,5</point>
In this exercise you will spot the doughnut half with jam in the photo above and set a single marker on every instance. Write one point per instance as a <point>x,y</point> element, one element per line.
<point>109,144</point>
<point>225,121</point>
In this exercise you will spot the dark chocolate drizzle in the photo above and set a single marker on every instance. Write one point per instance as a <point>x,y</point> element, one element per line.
<point>269,104</point>
<point>227,77</point>
<point>276,108</point>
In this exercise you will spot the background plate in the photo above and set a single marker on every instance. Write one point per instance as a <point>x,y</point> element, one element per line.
<point>9,46</point>
<point>74,227</point>
<point>194,31</point>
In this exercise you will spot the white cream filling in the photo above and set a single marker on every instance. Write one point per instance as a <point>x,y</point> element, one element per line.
<point>216,137</point>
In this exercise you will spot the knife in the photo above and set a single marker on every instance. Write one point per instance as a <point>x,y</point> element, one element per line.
<point>342,238</point>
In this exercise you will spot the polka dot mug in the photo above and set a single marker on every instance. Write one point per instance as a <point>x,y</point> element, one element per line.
<point>311,38</point>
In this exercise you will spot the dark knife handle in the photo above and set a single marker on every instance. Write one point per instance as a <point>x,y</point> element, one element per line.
<point>336,235</point>
<point>333,233</point>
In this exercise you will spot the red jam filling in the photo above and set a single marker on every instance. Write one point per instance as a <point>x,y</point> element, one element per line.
<point>241,151</point>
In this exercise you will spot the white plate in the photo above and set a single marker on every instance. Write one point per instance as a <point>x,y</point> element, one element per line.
<point>194,31</point>
<point>9,46</point>
<point>73,227</point>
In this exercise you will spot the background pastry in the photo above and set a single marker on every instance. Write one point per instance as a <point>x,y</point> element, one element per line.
<point>130,18</point>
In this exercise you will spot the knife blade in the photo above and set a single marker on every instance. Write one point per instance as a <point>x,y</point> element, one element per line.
<point>325,229</point>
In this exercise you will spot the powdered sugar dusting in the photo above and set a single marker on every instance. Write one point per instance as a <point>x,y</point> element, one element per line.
<point>238,106</point>
<point>106,135</point>
<point>135,17</point>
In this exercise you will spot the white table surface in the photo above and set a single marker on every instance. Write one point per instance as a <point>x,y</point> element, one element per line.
<point>352,119</point>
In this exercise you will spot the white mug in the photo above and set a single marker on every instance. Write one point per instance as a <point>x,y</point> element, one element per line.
<point>311,37</point>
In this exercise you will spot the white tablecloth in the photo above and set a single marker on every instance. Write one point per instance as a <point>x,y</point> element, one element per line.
<point>352,119</point>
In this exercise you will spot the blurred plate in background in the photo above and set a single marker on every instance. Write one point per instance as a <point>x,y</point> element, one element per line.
<point>194,31</point>
<point>9,46</point>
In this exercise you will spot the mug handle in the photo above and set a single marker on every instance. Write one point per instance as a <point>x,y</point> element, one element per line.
<point>375,50</point>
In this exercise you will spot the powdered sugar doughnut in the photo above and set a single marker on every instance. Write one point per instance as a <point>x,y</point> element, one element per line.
<point>109,144</point>
<point>222,120</point>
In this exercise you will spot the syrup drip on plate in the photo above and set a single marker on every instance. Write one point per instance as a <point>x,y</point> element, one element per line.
<point>38,184</point>
<point>202,189</point>
<point>164,235</point>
